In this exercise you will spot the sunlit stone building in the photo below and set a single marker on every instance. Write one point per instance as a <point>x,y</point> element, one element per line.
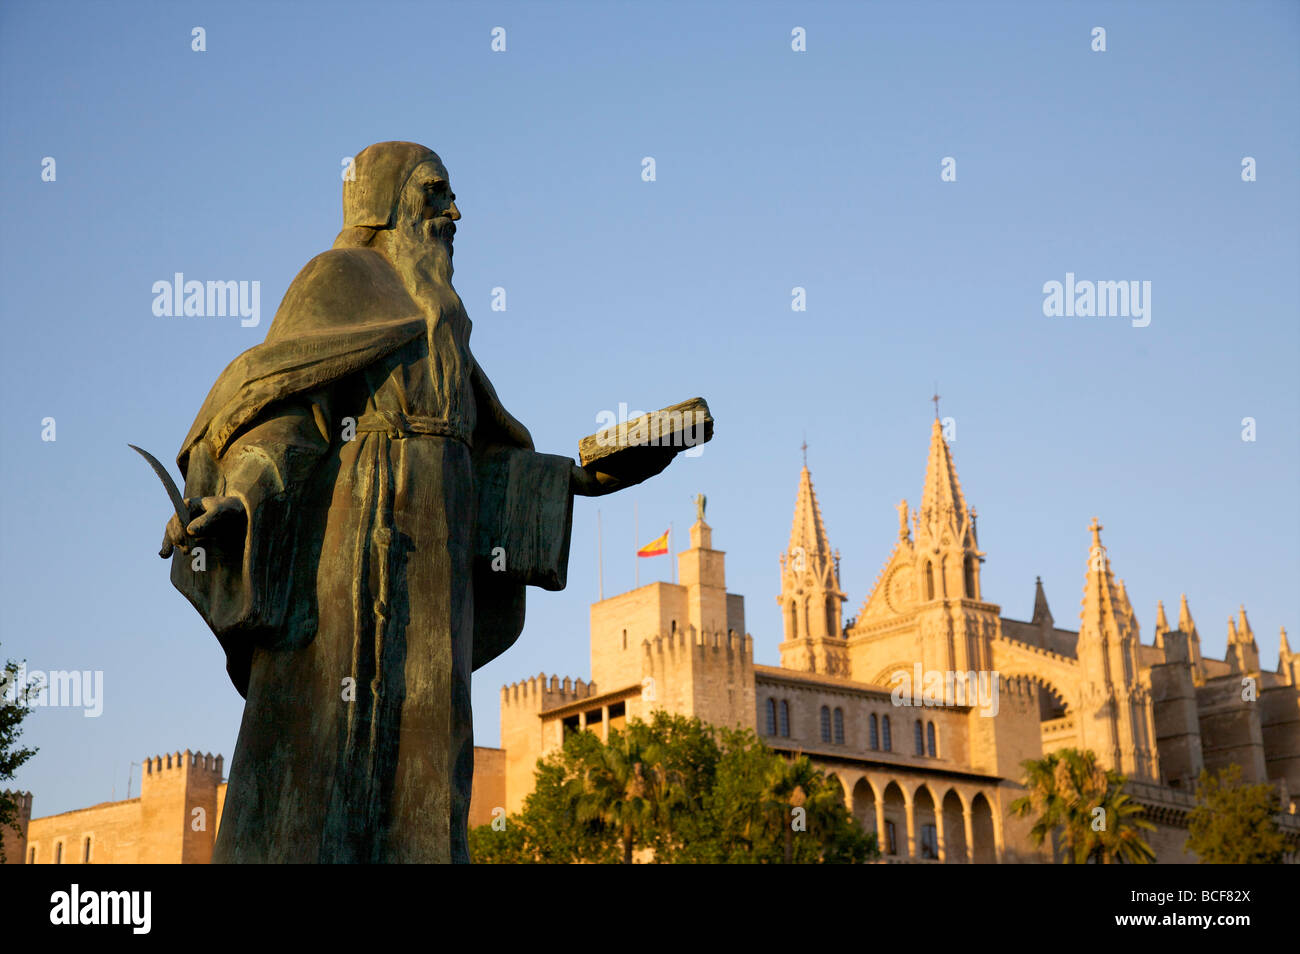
<point>934,781</point>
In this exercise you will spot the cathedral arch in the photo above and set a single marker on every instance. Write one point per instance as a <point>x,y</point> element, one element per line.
<point>925,824</point>
<point>1053,703</point>
<point>885,678</point>
<point>894,840</point>
<point>983,837</point>
<point>954,828</point>
<point>864,805</point>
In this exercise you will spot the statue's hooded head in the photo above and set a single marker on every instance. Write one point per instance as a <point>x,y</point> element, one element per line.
<point>398,186</point>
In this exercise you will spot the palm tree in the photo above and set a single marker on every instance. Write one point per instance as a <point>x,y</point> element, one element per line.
<point>797,783</point>
<point>1071,795</point>
<point>625,785</point>
<point>1120,841</point>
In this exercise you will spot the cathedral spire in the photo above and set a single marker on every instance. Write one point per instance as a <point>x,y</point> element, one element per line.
<point>810,597</point>
<point>1243,652</point>
<point>808,532</point>
<point>1042,615</point>
<point>1188,626</point>
<point>1288,663</point>
<point>1104,604</point>
<point>942,504</point>
<point>1162,624</point>
<point>1119,725</point>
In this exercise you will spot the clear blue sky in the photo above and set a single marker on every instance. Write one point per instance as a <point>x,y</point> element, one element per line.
<point>775,169</point>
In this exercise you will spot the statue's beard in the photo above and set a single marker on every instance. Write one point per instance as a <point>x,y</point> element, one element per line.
<point>421,253</point>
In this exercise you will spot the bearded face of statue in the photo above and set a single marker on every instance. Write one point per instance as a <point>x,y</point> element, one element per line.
<point>420,242</point>
<point>427,212</point>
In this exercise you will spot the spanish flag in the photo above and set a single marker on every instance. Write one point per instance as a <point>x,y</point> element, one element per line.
<point>656,547</point>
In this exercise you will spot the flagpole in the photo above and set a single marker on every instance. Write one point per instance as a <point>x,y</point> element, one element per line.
<point>672,556</point>
<point>636,543</point>
<point>600,562</point>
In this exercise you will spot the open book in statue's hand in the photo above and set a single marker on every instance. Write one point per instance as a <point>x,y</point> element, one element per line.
<point>635,450</point>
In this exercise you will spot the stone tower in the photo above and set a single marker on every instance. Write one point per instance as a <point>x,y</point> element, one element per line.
<point>1116,719</point>
<point>956,625</point>
<point>178,807</point>
<point>811,599</point>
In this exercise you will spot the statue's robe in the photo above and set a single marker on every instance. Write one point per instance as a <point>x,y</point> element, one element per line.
<point>381,562</point>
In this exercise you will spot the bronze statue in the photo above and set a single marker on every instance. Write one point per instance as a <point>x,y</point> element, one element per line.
<point>364,516</point>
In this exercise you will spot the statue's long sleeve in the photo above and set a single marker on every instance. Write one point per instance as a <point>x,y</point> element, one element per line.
<point>242,585</point>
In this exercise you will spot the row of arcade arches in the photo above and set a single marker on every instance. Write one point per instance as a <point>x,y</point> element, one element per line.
<point>923,820</point>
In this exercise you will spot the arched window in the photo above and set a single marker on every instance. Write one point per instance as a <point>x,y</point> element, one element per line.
<point>771,717</point>
<point>918,738</point>
<point>58,852</point>
<point>32,858</point>
<point>873,732</point>
<point>794,621</point>
<point>969,572</point>
<point>826,724</point>
<point>929,739</point>
<point>929,580</point>
<point>674,627</point>
<point>625,639</point>
<point>785,719</point>
<point>887,743</point>
<point>839,726</point>
<point>85,852</point>
<point>832,619</point>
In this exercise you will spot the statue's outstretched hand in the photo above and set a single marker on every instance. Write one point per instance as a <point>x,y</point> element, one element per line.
<point>650,461</point>
<point>210,517</point>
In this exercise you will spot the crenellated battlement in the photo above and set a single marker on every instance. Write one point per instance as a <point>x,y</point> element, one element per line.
<point>730,643</point>
<point>543,692</point>
<point>195,763</point>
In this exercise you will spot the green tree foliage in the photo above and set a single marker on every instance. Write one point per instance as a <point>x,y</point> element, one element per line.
<point>682,791</point>
<point>548,831</point>
<point>1235,822</point>
<point>1082,806</point>
<point>13,709</point>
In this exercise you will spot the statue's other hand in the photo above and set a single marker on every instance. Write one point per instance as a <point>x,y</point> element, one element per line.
<point>210,517</point>
<point>649,461</point>
<point>586,484</point>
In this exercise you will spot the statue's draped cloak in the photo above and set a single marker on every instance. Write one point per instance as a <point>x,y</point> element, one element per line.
<point>364,590</point>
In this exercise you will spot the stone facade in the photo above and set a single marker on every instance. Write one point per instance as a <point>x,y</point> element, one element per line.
<point>175,818</point>
<point>935,779</point>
